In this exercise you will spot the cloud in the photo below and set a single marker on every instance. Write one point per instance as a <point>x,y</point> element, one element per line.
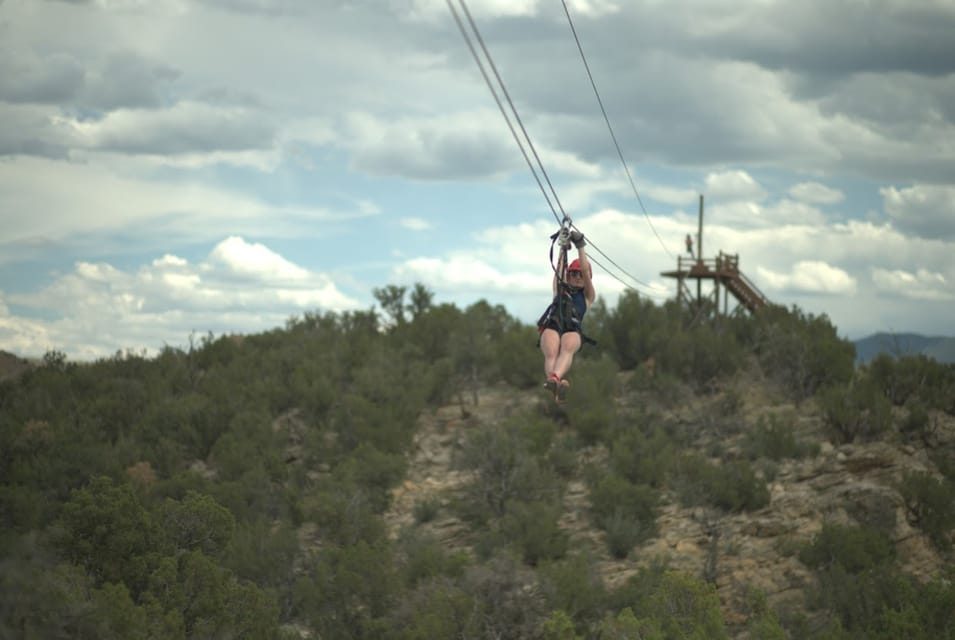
<point>733,186</point>
<point>483,9</point>
<point>25,78</point>
<point>921,285</point>
<point>32,131</point>
<point>466,145</point>
<point>22,336</point>
<point>809,276</point>
<point>90,198</point>
<point>816,193</point>
<point>925,210</point>
<point>415,224</point>
<point>255,262</point>
<point>186,127</point>
<point>469,273</point>
<point>746,214</point>
<point>127,80</point>
<point>240,287</point>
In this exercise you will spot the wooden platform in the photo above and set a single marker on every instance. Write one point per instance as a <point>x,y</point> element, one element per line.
<point>724,272</point>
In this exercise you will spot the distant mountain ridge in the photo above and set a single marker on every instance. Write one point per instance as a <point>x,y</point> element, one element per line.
<point>940,348</point>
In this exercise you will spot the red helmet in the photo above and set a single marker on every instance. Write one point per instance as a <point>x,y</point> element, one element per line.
<point>575,266</point>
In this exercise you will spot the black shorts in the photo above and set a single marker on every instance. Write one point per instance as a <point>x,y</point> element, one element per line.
<point>554,324</point>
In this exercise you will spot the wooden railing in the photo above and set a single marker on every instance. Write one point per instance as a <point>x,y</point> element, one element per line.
<point>725,270</point>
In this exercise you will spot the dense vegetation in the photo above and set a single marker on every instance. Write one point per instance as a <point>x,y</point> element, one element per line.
<point>235,489</point>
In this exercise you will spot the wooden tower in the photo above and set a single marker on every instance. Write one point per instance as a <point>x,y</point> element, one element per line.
<point>723,271</point>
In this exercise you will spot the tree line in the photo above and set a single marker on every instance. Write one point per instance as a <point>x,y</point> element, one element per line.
<point>235,487</point>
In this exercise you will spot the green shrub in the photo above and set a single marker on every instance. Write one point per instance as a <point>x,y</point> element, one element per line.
<point>642,458</point>
<point>701,356</point>
<point>558,626</point>
<point>670,604</point>
<point>426,509</point>
<point>421,557</point>
<point>503,472</point>
<point>593,387</point>
<point>626,626</point>
<point>533,530</point>
<point>773,438</point>
<point>931,503</point>
<point>732,486</point>
<point>537,433</point>
<point>563,455</point>
<point>855,549</point>
<point>917,423</point>
<point>857,410</point>
<point>763,624</point>
<point>624,531</point>
<point>802,353</point>
<point>615,501</point>
<point>631,331</point>
<point>345,515</point>
<point>916,377</point>
<point>687,608</point>
<point>573,584</point>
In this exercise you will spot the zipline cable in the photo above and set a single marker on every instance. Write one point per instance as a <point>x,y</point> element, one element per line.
<point>566,219</point>
<point>517,117</point>
<point>654,292</point>
<point>650,286</point>
<point>610,128</point>
<point>500,105</point>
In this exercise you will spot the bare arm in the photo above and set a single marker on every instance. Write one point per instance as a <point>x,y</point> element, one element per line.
<point>590,294</point>
<point>560,269</point>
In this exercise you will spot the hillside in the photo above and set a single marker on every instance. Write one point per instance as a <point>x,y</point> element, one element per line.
<point>740,553</point>
<point>11,365</point>
<point>405,477</point>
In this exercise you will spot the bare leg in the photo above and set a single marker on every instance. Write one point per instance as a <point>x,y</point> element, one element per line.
<point>550,346</point>
<point>569,345</point>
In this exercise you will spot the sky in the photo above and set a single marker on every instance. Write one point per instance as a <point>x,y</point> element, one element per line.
<point>171,169</point>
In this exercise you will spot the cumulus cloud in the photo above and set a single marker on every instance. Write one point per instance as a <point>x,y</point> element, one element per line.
<point>254,261</point>
<point>183,128</point>
<point>415,224</point>
<point>810,276</point>
<point>93,197</point>
<point>240,287</point>
<point>463,145</point>
<point>733,186</point>
<point>925,210</point>
<point>22,336</point>
<point>816,193</point>
<point>469,273</point>
<point>746,214</point>
<point>920,285</point>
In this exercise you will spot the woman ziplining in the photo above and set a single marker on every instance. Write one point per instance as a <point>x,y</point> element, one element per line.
<point>561,334</point>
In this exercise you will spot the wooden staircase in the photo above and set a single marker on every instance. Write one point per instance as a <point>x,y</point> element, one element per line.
<point>744,291</point>
<point>724,272</point>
